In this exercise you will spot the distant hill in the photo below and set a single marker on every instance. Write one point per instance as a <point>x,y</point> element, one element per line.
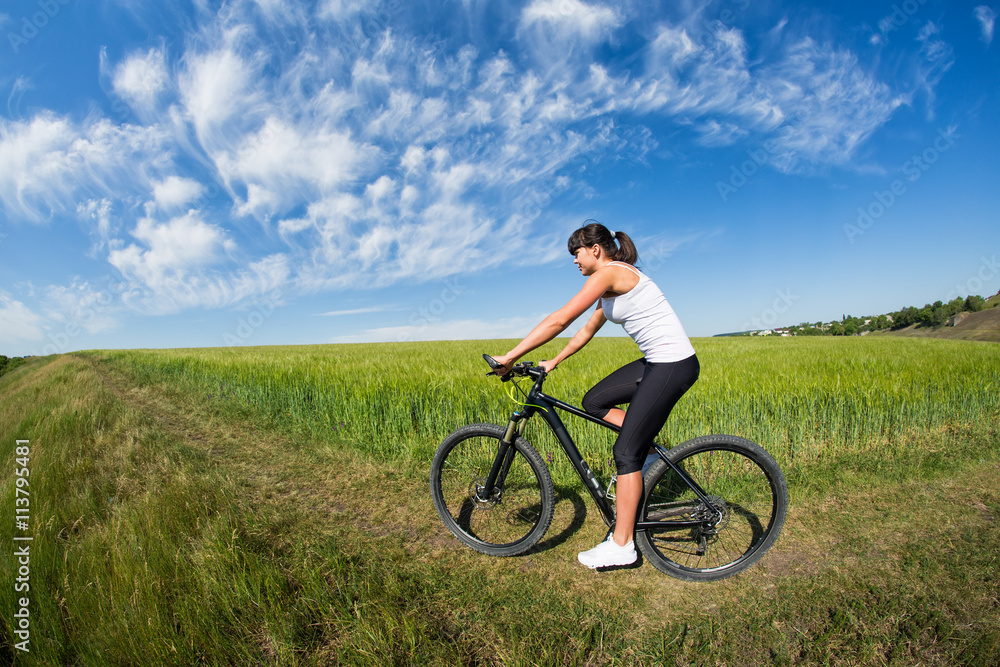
<point>973,319</point>
<point>984,325</point>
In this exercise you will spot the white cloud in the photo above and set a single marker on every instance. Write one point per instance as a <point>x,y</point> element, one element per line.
<point>215,87</point>
<point>571,18</point>
<point>288,163</point>
<point>48,163</point>
<point>171,269</point>
<point>937,57</point>
<point>281,12</point>
<point>385,157</point>
<point>557,36</point>
<point>176,191</point>
<point>687,77</point>
<point>19,87</point>
<point>986,16</point>
<point>380,189</point>
<point>352,311</point>
<point>98,212</point>
<point>142,78</point>
<point>823,105</point>
<point>174,247</point>
<point>35,159</point>
<point>82,305</point>
<point>341,10</point>
<point>17,322</point>
<point>715,133</point>
<point>813,104</point>
<point>674,46</point>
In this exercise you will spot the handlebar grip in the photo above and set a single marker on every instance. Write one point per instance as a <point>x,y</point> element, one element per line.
<point>494,364</point>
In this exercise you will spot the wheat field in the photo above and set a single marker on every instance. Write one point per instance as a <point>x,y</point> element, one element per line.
<point>805,400</point>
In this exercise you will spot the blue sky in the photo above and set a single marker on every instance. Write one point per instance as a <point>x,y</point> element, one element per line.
<point>257,172</point>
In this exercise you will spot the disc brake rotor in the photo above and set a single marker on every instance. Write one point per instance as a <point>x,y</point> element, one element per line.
<point>720,515</point>
<point>475,494</point>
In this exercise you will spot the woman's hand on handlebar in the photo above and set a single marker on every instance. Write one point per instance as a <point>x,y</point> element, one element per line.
<point>506,364</point>
<point>548,366</point>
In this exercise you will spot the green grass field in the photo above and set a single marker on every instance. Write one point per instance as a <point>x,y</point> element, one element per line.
<point>270,506</point>
<point>807,401</point>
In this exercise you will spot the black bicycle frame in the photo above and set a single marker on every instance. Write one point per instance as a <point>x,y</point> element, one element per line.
<point>538,401</point>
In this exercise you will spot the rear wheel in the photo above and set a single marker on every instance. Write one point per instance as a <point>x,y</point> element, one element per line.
<point>508,521</point>
<point>747,491</point>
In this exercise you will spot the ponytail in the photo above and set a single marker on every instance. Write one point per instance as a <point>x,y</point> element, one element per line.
<point>626,249</point>
<point>595,233</point>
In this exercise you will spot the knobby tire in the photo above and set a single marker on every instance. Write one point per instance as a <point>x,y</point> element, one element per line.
<point>739,477</point>
<point>513,520</point>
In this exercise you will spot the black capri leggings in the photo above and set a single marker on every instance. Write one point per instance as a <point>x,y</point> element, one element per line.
<point>651,390</point>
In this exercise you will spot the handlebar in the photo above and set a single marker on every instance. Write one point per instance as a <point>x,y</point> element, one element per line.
<point>523,369</point>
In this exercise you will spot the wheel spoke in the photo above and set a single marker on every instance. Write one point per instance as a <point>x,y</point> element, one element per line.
<point>507,521</point>
<point>743,489</point>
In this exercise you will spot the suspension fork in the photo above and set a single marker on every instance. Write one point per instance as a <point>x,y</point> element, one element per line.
<point>505,456</point>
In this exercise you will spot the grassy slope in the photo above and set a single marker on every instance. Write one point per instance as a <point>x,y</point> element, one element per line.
<point>983,326</point>
<point>173,530</point>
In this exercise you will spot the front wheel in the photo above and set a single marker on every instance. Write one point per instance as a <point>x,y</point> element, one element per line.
<point>515,515</point>
<point>749,499</point>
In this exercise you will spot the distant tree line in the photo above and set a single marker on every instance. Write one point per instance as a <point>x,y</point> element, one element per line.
<point>9,364</point>
<point>932,314</point>
<point>937,313</point>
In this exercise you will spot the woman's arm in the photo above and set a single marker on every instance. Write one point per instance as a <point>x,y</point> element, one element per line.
<point>556,323</point>
<point>581,338</point>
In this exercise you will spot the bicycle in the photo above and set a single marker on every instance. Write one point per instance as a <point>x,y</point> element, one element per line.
<point>711,506</point>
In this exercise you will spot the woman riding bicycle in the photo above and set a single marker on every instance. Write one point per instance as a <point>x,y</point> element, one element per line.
<point>651,385</point>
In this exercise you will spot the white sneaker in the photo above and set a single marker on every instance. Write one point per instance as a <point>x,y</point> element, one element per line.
<point>608,554</point>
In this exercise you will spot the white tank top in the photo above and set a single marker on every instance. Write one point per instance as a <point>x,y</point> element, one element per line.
<point>646,316</point>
